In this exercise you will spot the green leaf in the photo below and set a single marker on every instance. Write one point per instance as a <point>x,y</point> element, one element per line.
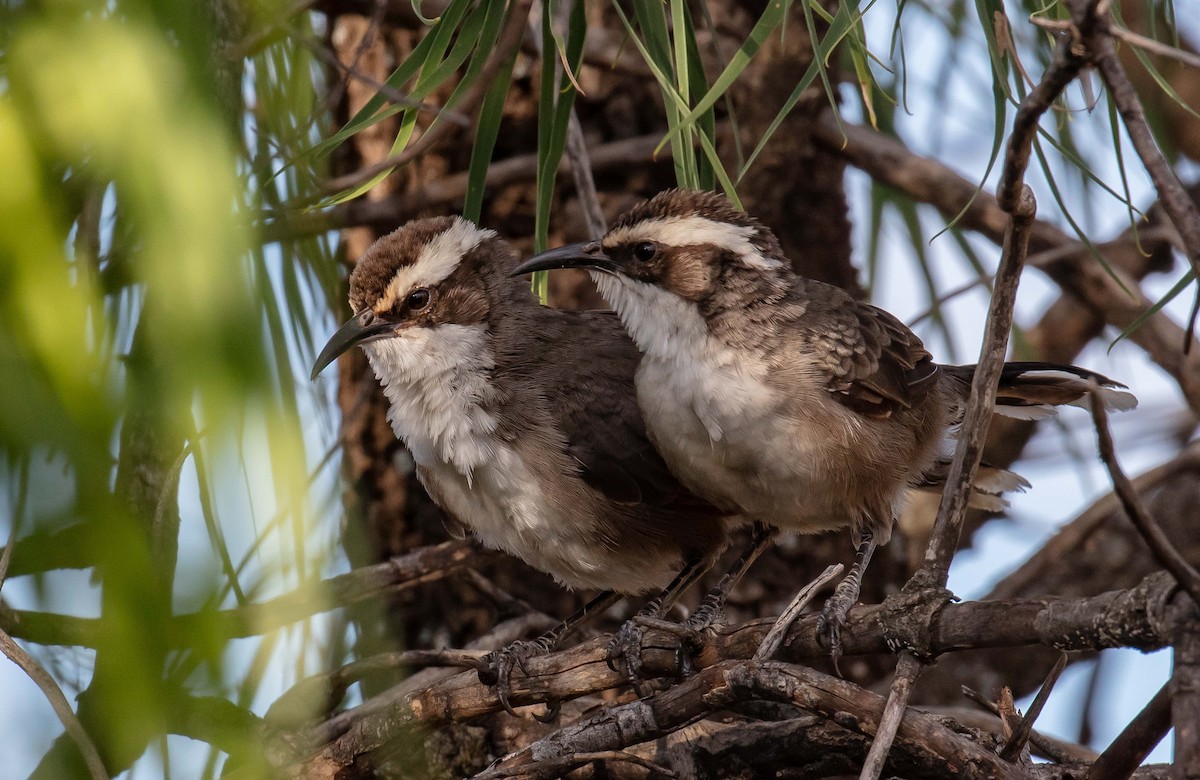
<point>1156,307</point>
<point>487,130</point>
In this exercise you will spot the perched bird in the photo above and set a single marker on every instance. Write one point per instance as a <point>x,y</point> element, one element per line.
<point>523,420</point>
<point>781,397</point>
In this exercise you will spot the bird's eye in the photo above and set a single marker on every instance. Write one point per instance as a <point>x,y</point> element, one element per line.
<point>644,251</point>
<point>417,299</point>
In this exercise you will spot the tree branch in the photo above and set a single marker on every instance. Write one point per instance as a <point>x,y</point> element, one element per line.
<point>426,564</point>
<point>925,180</point>
<point>731,683</point>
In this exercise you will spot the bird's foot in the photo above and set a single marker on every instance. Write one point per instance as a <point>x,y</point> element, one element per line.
<point>625,648</point>
<point>497,668</point>
<point>834,617</point>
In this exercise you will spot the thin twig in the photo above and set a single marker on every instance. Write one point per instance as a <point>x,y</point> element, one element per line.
<point>779,630</point>
<point>1162,548</point>
<point>1053,748</point>
<point>585,185</point>
<point>1016,198</point>
<point>952,510</point>
<point>58,701</point>
<point>1176,202</point>
<point>908,669</point>
<point>1188,58</point>
<point>1012,749</point>
<point>1127,752</point>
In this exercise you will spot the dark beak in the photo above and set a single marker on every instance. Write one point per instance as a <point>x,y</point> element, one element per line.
<point>589,255</point>
<point>363,326</point>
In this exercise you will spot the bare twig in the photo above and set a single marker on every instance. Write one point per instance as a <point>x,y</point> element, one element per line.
<point>58,701</point>
<point>1136,740</point>
<point>779,630</point>
<point>1012,749</point>
<point>908,668</point>
<point>503,634</point>
<point>1053,748</point>
<point>1188,58</point>
<point>952,510</point>
<point>1164,551</point>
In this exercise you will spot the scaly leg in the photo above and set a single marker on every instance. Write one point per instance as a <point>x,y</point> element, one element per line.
<point>845,596</point>
<point>713,604</point>
<point>626,644</point>
<point>498,665</point>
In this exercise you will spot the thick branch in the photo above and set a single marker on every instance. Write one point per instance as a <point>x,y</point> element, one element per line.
<point>1134,618</point>
<point>731,683</point>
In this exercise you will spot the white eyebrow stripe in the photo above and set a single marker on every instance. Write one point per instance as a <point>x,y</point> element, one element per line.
<point>436,261</point>
<point>692,230</point>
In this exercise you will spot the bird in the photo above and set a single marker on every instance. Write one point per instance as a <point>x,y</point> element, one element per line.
<point>523,422</point>
<point>784,398</point>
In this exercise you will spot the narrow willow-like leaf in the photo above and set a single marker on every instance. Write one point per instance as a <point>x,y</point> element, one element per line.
<point>999,111</point>
<point>431,48</point>
<point>1156,307</point>
<point>911,218</point>
<point>986,11</point>
<point>841,21</point>
<point>697,84</point>
<point>1115,127</point>
<point>823,49</point>
<point>476,40</point>
<point>555,101</point>
<point>772,16</point>
<point>656,54</point>
<point>416,7</point>
<point>874,233</point>
<point>1162,82</point>
<point>1075,159</point>
<point>1062,207</point>
<point>491,114</point>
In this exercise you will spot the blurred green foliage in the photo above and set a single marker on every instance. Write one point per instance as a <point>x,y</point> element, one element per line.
<point>153,351</point>
<point>134,343</point>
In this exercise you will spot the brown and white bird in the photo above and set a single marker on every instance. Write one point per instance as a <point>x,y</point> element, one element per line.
<point>781,397</point>
<point>522,420</point>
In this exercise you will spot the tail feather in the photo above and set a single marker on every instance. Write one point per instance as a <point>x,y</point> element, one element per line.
<point>990,482</point>
<point>1030,390</point>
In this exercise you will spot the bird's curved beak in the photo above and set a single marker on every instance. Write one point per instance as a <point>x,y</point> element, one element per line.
<point>363,326</point>
<point>589,255</point>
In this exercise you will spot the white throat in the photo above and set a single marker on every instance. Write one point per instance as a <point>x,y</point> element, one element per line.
<point>687,376</point>
<point>662,324</point>
<point>436,380</point>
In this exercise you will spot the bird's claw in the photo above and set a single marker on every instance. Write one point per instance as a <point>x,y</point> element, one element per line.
<point>626,648</point>
<point>498,665</point>
<point>829,628</point>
